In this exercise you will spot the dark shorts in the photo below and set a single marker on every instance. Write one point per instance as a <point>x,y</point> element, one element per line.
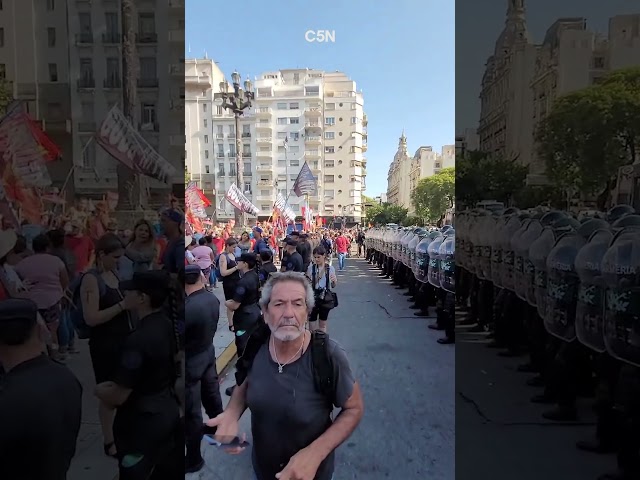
<point>105,358</point>
<point>229,288</point>
<point>51,314</point>
<point>319,313</point>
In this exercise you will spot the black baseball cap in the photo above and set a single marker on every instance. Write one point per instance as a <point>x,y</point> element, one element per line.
<point>18,309</point>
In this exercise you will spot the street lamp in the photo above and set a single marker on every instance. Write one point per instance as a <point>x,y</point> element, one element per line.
<point>237,101</point>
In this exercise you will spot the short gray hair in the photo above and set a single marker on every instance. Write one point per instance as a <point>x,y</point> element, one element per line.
<point>279,277</point>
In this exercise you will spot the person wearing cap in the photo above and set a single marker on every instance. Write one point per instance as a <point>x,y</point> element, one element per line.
<point>292,260</point>
<point>260,244</point>
<point>40,400</point>
<point>142,388</point>
<point>244,303</point>
<point>170,222</point>
<point>201,314</point>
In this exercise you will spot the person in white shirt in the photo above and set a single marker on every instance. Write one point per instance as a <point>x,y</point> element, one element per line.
<point>317,274</point>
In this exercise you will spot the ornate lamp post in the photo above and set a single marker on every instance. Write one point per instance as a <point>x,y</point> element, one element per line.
<point>236,101</point>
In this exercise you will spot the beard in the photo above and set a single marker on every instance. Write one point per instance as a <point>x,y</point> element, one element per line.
<point>288,335</point>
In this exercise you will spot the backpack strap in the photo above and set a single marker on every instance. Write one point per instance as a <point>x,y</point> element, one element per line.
<point>313,276</point>
<point>258,337</point>
<point>323,366</point>
<point>328,283</point>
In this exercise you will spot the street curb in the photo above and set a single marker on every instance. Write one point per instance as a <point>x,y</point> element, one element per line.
<point>225,358</point>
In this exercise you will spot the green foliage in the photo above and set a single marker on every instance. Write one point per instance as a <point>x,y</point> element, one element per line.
<point>413,220</point>
<point>532,196</point>
<point>482,177</point>
<point>386,213</point>
<point>589,134</point>
<point>434,195</point>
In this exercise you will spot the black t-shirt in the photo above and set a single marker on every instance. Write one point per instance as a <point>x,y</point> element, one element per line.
<point>148,418</point>
<point>292,262</point>
<point>247,295</point>
<point>40,415</point>
<point>304,249</point>
<point>265,272</point>
<point>201,314</point>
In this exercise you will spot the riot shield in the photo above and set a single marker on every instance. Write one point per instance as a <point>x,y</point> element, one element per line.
<point>620,270</point>
<point>496,251</point>
<point>591,291</point>
<point>562,287</point>
<point>518,261</point>
<point>434,261</point>
<point>538,253</point>
<point>446,256</point>
<point>412,250</point>
<point>508,257</point>
<point>405,248</point>
<point>485,238</point>
<point>531,235</point>
<point>627,221</point>
<point>422,260</point>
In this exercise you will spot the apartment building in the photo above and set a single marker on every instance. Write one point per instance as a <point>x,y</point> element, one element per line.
<point>96,86</point>
<point>34,62</point>
<point>466,141</point>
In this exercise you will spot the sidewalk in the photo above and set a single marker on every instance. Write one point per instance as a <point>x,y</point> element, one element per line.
<point>90,460</point>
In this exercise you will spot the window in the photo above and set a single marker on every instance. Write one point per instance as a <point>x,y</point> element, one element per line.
<point>205,123</point>
<point>247,168</point>
<point>265,207</point>
<point>598,62</point>
<point>353,106</point>
<point>330,106</point>
<point>296,78</point>
<point>232,150</point>
<point>294,136</point>
<point>265,193</point>
<point>247,187</point>
<point>329,135</point>
<point>218,110</point>
<point>113,73</point>
<point>330,121</point>
<point>232,131</point>
<point>282,121</point>
<point>281,106</point>
<point>146,24</point>
<point>84,19</point>
<point>282,164</point>
<point>282,135</point>
<point>232,170</point>
<point>281,149</point>
<point>437,165</point>
<point>51,37</point>
<point>282,178</point>
<point>148,113</point>
<point>354,120</point>
<point>294,163</point>
<point>148,68</point>
<point>53,72</point>
<point>246,150</point>
<point>293,177</point>
<point>294,149</point>
<point>294,106</point>
<point>111,20</point>
<point>220,130</point>
<point>206,155</point>
<point>89,154</point>
<point>206,167</point>
<point>329,149</point>
<point>51,5</point>
<point>220,150</point>
<point>329,163</point>
<point>294,121</point>
<point>246,129</point>
<point>328,179</point>
<point>221,169</point>
<point>206,139</point>
<point>329,193</point>
<point>204,107</point>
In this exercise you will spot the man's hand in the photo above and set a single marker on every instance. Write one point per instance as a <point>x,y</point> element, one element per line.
<point>302,466</point>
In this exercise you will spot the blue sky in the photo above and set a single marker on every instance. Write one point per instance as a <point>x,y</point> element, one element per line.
<point>400,53</point>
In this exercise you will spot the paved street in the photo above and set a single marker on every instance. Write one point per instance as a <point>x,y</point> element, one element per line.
<point>501,435</point>
<point>407,381</point>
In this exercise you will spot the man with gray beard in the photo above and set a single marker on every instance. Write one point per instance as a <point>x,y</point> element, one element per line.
<point>293,431</point>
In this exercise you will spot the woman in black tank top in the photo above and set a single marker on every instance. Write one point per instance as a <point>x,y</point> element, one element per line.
<point>106,312</point>
<point>229,271</point>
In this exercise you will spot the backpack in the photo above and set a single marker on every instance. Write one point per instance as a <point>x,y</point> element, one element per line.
<point>322,364</point>
<point>217,271</point>
<point>77,315</point>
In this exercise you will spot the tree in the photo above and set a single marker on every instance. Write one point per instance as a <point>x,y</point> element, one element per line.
<point>589,134</point>
<point>6,95</point>
<point>434,195</point>
<point>479,176</point>
<point>386,213</point>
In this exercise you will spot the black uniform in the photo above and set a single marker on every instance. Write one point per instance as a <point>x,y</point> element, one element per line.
<point>304,249</point>
<point>147,426</point>
<point>202,312</point>
<point>248,314</point>
<point>265,271</point>
<point>292,262</point>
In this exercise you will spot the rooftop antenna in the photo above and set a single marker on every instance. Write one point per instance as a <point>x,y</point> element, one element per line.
<point>189,47</point>
<point>206,57</point>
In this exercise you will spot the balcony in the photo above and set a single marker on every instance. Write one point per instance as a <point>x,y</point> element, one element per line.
<point>264,168</point>
<point>264,198</point>
<point>220,136</point>
<point>232,136</point>
<point>263,126</point>
<point>313,125</point>
<point>313,112</point>
<point>177,140</point>
<point>246,155</point>
<point>265,183</point>
<point>266,155</point>
<point>220,155</point>
<point>111,38</point>
<point>263,112</point>
<point>312,154</point>
<point>220,173</point>
<point>147,38</point>
<point>262,140</point>
<point>148,83</point>
<point>149,127</point>
<point>86,83</point>
<point>203,81</point>
<point>231,154</point>
<point>114,82</point>
<point>87,127</point>
<point>246,135</point>
<point>315,168</point>
<point>84,38</point>
<point>247,173</point>
<point>313,140</point>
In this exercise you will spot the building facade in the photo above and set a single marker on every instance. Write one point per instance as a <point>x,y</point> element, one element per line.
<point>466,141</point>
<point>398,176</point>
<point>321,117</point>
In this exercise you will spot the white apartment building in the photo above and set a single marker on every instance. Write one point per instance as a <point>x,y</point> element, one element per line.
<point>319,113</point>
<point>506,97</point>
<point>405,172</point>
<point>34,62</point>
<point>96,86</point>
<point>466,142</point>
